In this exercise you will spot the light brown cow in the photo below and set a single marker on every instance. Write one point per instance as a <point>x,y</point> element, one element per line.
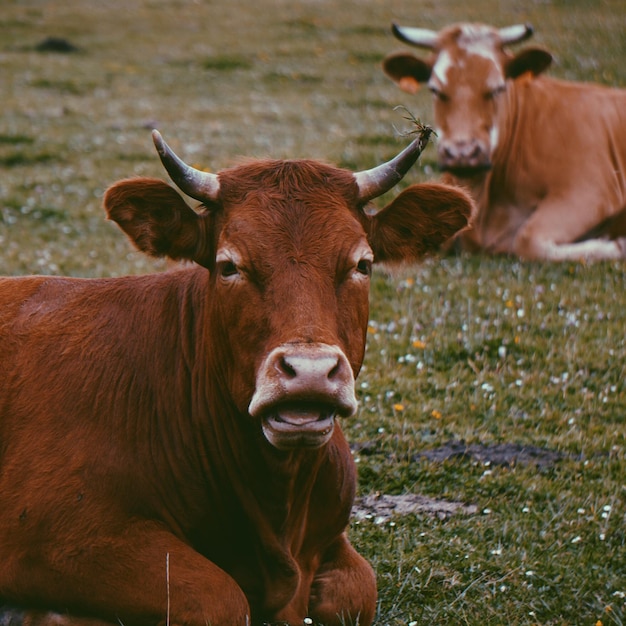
<point>544,159</point>
<point>169,445</point>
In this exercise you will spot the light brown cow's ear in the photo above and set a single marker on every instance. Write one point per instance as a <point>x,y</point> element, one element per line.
<point>156,219</point>
<point>418,222</point>
<point>407,70</point>
<point>530,61</point>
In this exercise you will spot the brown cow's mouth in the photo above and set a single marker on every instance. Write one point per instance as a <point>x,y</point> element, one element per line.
<point>299,426</point>
<point>465,171</point>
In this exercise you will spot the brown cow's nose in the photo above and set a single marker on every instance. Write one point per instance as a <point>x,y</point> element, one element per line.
<point>305,373</point>
<point>301,370</point>
<point>467,153</point>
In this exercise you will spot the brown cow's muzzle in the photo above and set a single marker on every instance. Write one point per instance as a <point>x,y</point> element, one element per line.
<point>300,389</point>
<point>464,157</point>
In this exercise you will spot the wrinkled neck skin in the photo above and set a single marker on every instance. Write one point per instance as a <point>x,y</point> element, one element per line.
<point>260,501</point>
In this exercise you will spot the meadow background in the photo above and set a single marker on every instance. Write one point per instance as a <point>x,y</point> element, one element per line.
<point>467,357</point>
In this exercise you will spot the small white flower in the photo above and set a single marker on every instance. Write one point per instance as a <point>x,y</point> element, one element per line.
<point>577,539</point>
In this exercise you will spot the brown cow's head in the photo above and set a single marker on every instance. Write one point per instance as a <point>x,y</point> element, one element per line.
<point>288,248</point>
<point>467,74</point>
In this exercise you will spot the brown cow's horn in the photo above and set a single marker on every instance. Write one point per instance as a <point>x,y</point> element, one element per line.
<point>376,181</point>
<point>515,34</point>
<point>422,37</point>
<point>195,183</point>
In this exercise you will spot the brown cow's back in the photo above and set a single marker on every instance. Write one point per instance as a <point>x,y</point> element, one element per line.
<point>529,164</point>
<point>544,159</point>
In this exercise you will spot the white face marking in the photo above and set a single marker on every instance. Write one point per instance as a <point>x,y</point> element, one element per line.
<point>493,138</point>
<point>474,40</point>
<point>479,40</point>
<point>440,70</point>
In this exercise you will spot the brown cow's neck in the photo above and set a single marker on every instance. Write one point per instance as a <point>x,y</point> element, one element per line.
<point>256,497</point>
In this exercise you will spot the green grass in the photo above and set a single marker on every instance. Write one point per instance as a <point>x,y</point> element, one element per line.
<point>480,350</point>
<point>489,351</point>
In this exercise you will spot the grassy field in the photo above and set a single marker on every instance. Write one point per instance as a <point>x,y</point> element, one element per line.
<point>466,354</point>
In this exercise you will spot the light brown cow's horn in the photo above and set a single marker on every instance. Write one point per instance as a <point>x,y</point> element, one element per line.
<point>422,37</point>
<point>376,181</point>
<point>195,183</point>
<point>515,34</point>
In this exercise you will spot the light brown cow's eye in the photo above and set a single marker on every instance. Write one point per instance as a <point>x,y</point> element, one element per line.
<point>438,94</point>
<point>490,95</point>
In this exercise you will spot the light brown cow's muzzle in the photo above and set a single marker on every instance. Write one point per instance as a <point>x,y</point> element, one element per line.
<point>463,157</point>
<point>300,389</point>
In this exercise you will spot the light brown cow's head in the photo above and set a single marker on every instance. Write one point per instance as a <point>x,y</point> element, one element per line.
<point>288,250</point>
<point>467,74</point>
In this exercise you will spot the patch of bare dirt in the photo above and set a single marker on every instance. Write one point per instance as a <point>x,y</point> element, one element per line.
<point>382,507</point>
<point>507,454</point>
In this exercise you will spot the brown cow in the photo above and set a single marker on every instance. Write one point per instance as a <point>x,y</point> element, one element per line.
<point>544,159</point>
<point>169,451</point>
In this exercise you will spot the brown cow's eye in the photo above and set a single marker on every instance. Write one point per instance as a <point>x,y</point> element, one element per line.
<point>490,95</point>
<point>364,266</point>
<point>228,268</point>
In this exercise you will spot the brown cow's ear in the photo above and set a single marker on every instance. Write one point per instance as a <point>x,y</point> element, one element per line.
<point>156,219</point>
<point>418,222</point>
<point>532,60</point>
<point>407,70</point>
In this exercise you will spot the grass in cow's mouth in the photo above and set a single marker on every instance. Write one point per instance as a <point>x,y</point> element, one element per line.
<point>483,351</point>
<point>417,126</point>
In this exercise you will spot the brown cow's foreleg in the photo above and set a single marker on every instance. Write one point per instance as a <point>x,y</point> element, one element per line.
<point>558,231</point>
<point>344,588</point>
<point>143,576</point>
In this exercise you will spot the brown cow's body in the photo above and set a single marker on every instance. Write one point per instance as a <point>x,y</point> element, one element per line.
<point>544,159</point>
<point>168,447</point>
